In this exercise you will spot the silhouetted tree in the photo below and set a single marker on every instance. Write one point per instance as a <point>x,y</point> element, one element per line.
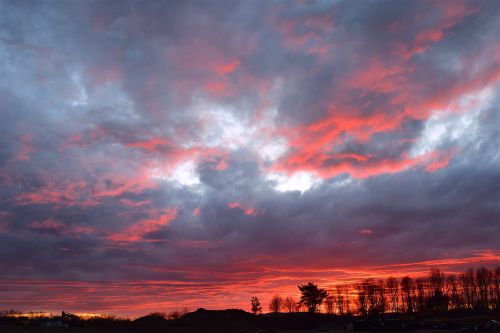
<point>362,298</point>
<point>347,299</point>
<point>276,304</point>
<point>484,278</point>
<point>452,291</point>
<point>374,292</point>
<point>380,302</point>
<point>256,307</point>
<point>289,304</point>
<point>436,280</point>
<point>476,289</point>
<point>312,296</point>
<point>467,285</point>
<point>393,293</point>
<point>420,286</point>
<point>437,299</point>
<point>341,299</point>
<point>408,292</point>
<point>172,315</point>
<point>300,307</point>
<point>496,288</point>
<point>329,304</point>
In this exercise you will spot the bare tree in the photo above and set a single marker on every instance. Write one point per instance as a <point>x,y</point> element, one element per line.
<point>436,280</point>
<point>347,299</point>
<point>477,290</point>
<point>375,293</point>
<point>467,285</point>
<point>437,299</point>
<point>408,293</point>
<point>341,299</point>
<point>362,298</point>
<point>176,314</point>
<point>173,315</point>
<point>496,288</point>
<point>380,297</point>
<point>300,307</point>
<point>484,278</point>
<point>289,304</point>
<point>393,293</point>
<point>276,304</point>
<point>452,291</point>
<point>329,304</point>
<point>420,287</point>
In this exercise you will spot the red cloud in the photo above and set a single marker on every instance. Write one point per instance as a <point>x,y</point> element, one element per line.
<point>130,203</point>
<point>49,224</point>
<point>137,231</point>
<point>151,144</point>
<point>81,192</point>
<point>222,165</point>
<point>330,165</point>
<point>52,225</point>
<point>307,35</point>
<point>234,205</point>
<point>451,14</point>
<point>204,66</point>
<point>375,75</point>
<point>313,145</point>
<point>219,88</point>
<point>196,212</point>
<point>366,231</point>
<point>24,153</point>
<point>440,163</point>
<point>227,68</point>
<point>247,210</point>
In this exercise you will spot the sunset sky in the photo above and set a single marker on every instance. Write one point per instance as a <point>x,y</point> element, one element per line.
<point>160,155</point>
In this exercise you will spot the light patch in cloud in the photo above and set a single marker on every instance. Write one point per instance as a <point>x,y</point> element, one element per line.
<point>271,151</point>
<point>233,129</point>
<point>299,181</point>
<point>184,174</point>
<point>268,146</point>
<point>81,98</point>
<point>224,127</point>
<point>448,126</point>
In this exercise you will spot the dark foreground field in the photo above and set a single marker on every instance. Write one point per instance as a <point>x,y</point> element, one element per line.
<point>242,330</point>
<point>239,321</point>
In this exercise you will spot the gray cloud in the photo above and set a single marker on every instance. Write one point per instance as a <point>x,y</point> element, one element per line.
<point>139,140</point>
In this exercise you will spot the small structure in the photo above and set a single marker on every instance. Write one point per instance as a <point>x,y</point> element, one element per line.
<point>59,322</point>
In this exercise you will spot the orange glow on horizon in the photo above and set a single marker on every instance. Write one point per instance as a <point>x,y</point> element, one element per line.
<point>234,291</point>
<point>160,156</point>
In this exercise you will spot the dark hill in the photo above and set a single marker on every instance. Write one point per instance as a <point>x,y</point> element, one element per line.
<point>200,321</point>
<point>219,321</point>
<point>152,322</point>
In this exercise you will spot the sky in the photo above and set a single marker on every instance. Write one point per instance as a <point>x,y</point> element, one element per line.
<point>156,155</point>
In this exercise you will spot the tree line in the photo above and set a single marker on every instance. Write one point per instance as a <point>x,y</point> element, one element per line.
<point>471,291</point>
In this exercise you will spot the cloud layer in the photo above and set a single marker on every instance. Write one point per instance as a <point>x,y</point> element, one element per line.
<point>198,153</point>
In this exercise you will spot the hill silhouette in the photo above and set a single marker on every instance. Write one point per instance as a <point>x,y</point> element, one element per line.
<point>201,320</point>
<point>231,320</point>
